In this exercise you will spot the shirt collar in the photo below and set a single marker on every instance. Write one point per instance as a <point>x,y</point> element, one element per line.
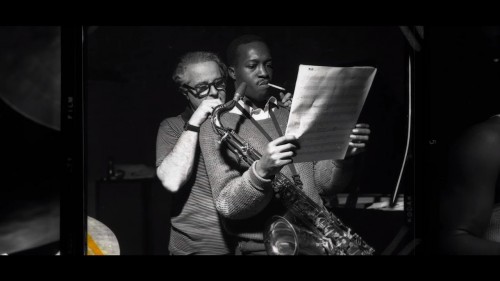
<point>255,111</point>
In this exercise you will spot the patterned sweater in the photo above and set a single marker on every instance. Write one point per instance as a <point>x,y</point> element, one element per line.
<point>195,224</point>
<point>245,200</point>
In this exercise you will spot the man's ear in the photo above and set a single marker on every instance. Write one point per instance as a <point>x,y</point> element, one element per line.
<point>230,71</point>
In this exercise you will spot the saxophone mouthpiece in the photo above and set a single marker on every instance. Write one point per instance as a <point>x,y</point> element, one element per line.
<point>240,92</point>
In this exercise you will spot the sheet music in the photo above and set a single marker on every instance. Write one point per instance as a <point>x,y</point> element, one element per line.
<point>325,108</point>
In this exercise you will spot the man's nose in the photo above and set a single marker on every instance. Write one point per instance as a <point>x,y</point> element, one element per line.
<point>263,71</point>
<point>213,92</point>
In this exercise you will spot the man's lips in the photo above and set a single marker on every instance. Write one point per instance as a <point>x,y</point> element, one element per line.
<point>263,83</point>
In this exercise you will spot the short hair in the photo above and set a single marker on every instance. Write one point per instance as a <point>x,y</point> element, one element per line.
<point>233,46</point>
<point>193,58</point>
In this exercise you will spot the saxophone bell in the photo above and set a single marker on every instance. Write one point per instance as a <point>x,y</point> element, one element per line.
<point>282,238</point>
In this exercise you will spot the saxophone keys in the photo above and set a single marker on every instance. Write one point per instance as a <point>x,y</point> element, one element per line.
<point>223,137</point>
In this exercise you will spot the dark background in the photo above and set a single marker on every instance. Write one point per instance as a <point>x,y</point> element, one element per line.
<point>130,92</point>
<point>462,79</point>
<point>30,138</point>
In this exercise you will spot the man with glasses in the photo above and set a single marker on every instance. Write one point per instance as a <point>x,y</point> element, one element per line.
<point>195,226</point>
<point>196,229</point>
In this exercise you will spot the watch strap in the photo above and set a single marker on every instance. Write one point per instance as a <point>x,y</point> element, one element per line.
<point>189,127</point>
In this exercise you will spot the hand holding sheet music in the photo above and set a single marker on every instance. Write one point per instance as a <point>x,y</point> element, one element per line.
<point>325,108</point>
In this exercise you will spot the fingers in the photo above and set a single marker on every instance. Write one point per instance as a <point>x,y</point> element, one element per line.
<point>285,98</point>
<point>203,111</point>
<point>359,137</point>
<point>284,139</point>
<point>279,152</point>
<point>272,160</point>
<point>361,131</point>
<point>357,144</point>
<point>286,147</point>
<point>209,105</point>
<point>281,159</point>
<point>284,162</point>
<point>211,102</point>
<point>362,125</point>
<point>286,155</point>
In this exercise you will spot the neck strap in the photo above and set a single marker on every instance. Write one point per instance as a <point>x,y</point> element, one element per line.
<point>295,174</point>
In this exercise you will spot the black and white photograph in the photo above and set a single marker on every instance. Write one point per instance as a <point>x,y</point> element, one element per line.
<point>268,140</point>
<point>249,140</point>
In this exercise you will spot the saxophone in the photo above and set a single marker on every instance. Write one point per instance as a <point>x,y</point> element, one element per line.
<point>307,228</point>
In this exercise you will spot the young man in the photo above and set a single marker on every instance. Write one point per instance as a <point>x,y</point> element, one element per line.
<point>243,194</point>
<point>470,214</point>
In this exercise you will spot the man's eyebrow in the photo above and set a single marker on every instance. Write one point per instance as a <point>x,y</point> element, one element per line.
<point>257,60</point>
<point>205,82</point>
<point>200,83</point>
<point>252,60</point>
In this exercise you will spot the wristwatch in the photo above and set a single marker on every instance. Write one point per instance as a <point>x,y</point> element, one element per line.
<point>189,127</point>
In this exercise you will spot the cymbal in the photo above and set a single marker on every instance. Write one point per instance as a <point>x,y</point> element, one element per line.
<point>28,224</point>
<point>100,239</point>
<point>30,67</point>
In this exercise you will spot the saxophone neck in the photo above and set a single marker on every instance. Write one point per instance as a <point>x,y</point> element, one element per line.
<point>240,92</point>
<point>224,108</point>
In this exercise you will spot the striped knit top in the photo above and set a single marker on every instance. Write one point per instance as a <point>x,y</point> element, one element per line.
<point>195,225</point>
<point>245,200</point>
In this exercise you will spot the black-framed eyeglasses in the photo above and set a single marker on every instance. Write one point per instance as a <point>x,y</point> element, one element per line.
<point>201,90</point>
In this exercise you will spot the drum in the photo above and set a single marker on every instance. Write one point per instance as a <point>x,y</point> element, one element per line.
<point>101,241</point>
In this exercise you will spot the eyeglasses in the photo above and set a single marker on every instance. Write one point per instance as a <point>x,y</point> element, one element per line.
<point>201,90</point>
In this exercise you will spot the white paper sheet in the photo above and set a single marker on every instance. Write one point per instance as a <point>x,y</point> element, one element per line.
<point>326,105</point>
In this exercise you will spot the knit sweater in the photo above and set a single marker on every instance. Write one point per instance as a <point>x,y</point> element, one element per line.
<point>195,224</point>
<point>245,200</point>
